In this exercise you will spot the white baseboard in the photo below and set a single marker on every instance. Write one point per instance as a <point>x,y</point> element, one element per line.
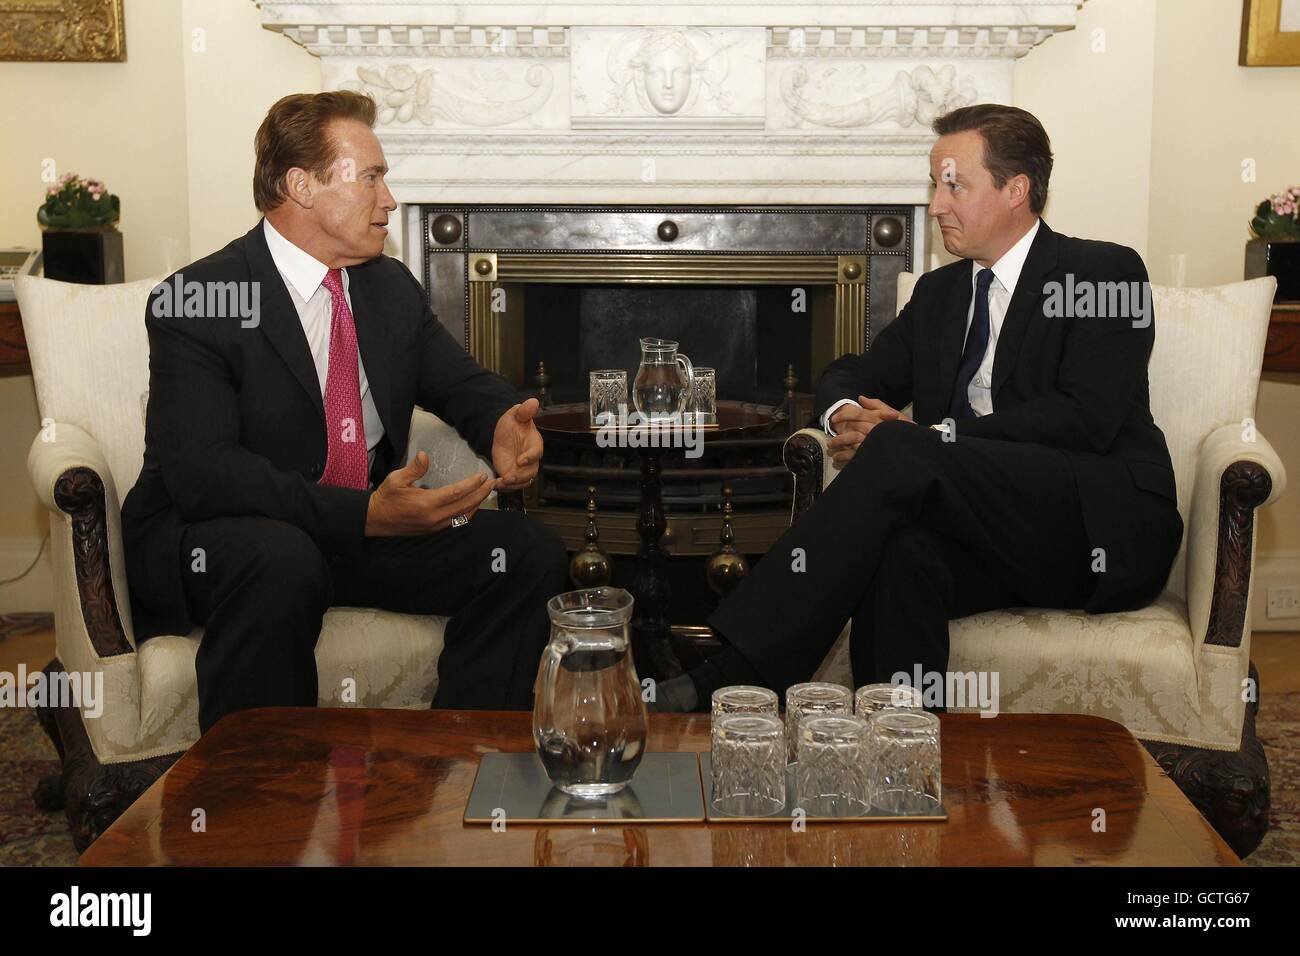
<point>35,592</point>
<point>1273,569</point>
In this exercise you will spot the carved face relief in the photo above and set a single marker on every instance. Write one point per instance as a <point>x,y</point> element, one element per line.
<point>666,74</point>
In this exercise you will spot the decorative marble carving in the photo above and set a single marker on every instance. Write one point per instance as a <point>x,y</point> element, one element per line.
<point>698,100</point>
<point>403,95</point>
<point>914,97</point>
<point>667,76</point>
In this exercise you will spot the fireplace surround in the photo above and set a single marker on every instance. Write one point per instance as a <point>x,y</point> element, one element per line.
<point>576,286</point>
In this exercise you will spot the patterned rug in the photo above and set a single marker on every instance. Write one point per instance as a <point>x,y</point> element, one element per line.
<point>1278,729</point>
<point>29,837</point>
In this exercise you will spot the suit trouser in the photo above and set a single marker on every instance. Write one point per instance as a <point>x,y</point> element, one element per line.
<point>266,586</point>
<point>914,531</point>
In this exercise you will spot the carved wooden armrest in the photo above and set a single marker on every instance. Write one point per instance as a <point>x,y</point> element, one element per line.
<point>69,474</point>
<point>1233,477</point>
<point>805,456</point>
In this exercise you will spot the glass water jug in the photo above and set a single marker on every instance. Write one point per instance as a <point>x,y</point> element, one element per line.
<point>664,382</point>
<point>589,719</point>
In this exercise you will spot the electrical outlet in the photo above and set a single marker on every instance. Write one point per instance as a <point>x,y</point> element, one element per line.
<point>1283,602</point>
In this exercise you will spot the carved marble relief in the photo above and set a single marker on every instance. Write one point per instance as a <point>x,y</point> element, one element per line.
<point>667,76</point>
<point>486,95</point>
<point>833,96</point>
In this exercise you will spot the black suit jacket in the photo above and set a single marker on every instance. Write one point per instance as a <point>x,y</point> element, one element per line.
<point>235,424</point>
<point>1074,383</point>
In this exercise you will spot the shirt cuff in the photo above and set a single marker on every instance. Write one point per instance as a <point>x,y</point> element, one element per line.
<point>826,416</point>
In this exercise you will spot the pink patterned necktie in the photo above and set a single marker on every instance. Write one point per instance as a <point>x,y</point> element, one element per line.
<point>345,427</point>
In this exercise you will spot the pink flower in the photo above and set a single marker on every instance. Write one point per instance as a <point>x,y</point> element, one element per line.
<point>67,178</point>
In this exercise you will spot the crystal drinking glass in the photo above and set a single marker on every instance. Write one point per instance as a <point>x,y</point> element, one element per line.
<point>608,390</point>
<point>876,697</point>
<point>813,698</point>
<point>831,775</point>
<point>748,765</point>
<point>744,699</point>
<point>905,765</point>
<point>704,400</point>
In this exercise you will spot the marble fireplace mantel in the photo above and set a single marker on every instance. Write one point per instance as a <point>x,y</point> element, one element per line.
<point>688,101</point>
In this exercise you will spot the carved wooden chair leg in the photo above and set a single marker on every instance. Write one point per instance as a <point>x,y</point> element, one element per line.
<point>48,792</point>
<point>1230,787</point>
<point>91,794</point>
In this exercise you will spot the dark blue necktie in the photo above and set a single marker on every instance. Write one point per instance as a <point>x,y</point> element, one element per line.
<point>977,343</point>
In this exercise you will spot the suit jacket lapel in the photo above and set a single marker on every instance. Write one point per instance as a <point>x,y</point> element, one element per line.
<point>372,340</point>
<point>279,319</point>
<point>1024,305</point>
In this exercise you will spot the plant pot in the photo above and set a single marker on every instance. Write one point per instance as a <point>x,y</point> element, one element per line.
<point>91,257</point>
<point>1279,258</point>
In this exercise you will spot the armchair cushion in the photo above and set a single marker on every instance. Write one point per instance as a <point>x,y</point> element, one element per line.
<point>90,363</point>
<point>1134,667</point>
<point>389,659</point>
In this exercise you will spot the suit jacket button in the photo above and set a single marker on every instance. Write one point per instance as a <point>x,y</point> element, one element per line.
<point>315,470</point>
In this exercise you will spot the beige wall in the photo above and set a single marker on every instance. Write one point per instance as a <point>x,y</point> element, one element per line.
<point>1092,90</point>
<point>228,87</point>
<point>1137,162</point>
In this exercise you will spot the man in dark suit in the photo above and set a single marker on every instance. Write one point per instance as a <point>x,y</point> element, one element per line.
<point>1030,472</point>
<point>273,485</point>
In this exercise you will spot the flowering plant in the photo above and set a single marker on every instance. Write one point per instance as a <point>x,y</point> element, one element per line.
<point>1278,217</point>
<point>76,203</point>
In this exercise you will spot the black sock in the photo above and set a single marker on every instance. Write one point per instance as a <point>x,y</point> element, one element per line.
<point>677,695</point>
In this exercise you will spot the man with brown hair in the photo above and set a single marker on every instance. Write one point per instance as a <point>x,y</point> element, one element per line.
<point>1030,472</point>
<point>273,485</point>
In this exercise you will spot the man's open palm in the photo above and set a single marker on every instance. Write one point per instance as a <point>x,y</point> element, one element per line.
<point>517,446</point>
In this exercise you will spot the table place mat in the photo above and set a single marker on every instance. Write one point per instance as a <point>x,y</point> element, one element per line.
<point>874,815</point>
<point>665,789</point>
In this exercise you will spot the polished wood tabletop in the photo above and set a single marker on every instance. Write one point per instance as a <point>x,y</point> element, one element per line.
<point>284,786</point>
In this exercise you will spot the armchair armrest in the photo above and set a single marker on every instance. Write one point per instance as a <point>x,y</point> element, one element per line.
<point>808,458</point>
<point>1233,478</point>
<point>72,480</point>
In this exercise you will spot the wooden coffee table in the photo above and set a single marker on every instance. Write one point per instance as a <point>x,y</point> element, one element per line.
<point>388,787</point>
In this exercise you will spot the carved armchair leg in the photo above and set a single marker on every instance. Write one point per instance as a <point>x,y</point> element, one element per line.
<point>48,792</point>
<point>91,794</point>
<point>1230,788</point>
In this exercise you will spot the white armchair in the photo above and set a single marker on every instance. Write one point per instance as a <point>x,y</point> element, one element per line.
<point>1177,674</point>
<point>90,361</point>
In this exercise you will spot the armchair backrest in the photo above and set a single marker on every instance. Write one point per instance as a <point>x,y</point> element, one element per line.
<point>1204,369</point>
<point>90,363</point>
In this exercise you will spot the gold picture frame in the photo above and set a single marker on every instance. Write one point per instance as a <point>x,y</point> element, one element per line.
<point>63,30</point>
<point>1263,41</point>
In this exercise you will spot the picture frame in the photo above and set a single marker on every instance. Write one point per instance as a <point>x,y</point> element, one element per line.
<point>63,30</point>
<point>1270,33</point>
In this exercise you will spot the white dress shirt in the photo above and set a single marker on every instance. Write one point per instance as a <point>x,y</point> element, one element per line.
<point>1006,273</point>
<point>304,275</point>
